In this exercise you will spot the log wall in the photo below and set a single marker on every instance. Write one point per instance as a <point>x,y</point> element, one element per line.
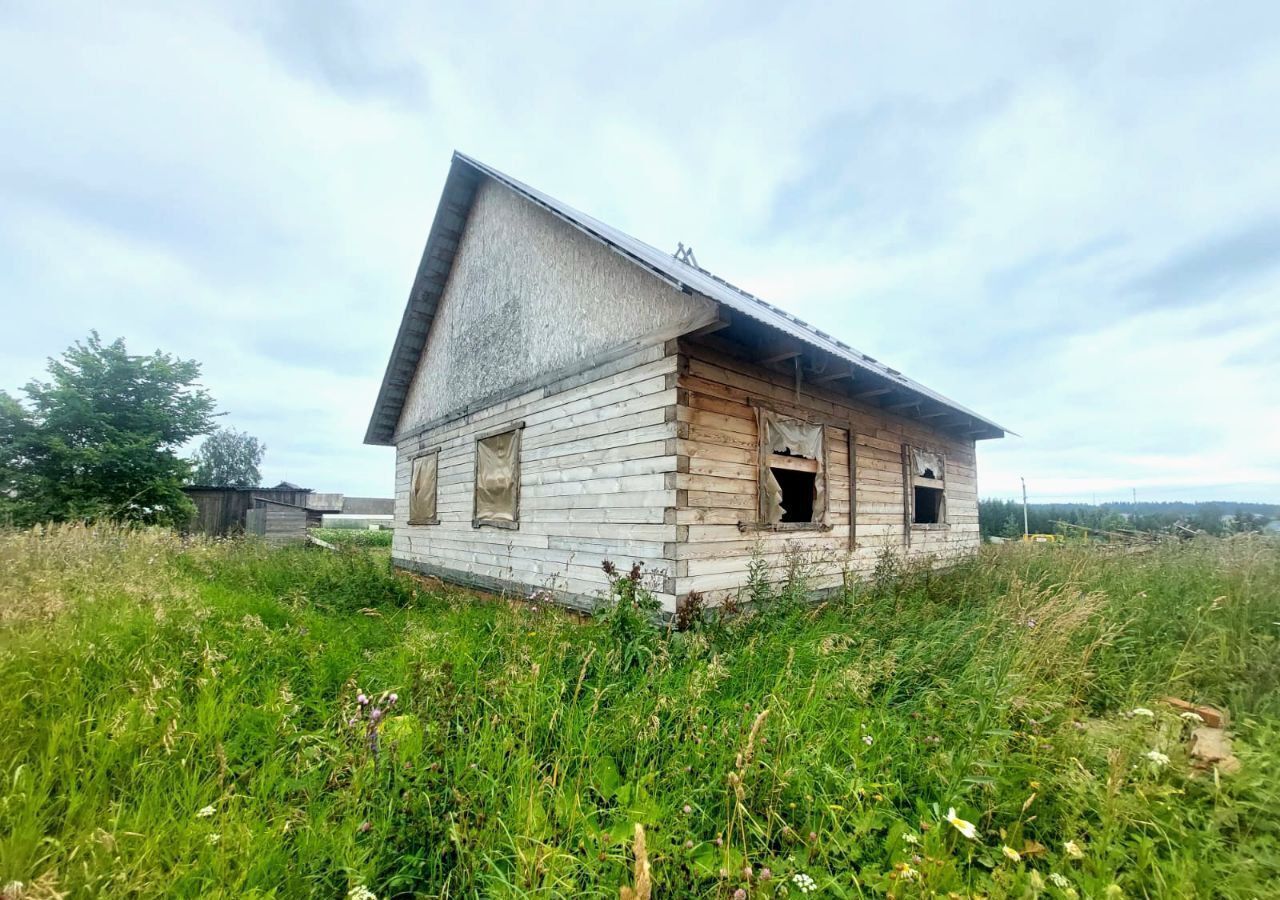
<point>597,481</point>
<point>717,479</point>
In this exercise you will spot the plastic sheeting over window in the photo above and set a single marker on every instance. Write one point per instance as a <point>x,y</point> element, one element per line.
<point>497,496</point>
<point>422,489</point>
<point>784,442</point>
<point>927,464</point>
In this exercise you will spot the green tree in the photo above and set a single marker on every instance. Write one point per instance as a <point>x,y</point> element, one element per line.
<point>99,439</point>
<point>228,458</point>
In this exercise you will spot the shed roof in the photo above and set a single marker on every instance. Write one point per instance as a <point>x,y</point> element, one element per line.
<point>465,174</point>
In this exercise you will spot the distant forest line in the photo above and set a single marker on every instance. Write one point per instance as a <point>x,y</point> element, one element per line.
<point>1003,518</point>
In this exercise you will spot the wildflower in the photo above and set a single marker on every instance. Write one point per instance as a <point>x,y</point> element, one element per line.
<point>813,836</point>
<point>362,699</point>
<point>12,890</point>
<point>688,845</point>
<point>1059,880</point>
<point>360,892</point>
<point>687,809</point>
<point>1073,850</point>
<point>364,827</point>
<point>205,812</point>
<point>739,894</point>
<point>906,873</point>
<point>392,698</point>
<point>868,740</point>
<point>911,839</point>
<point>766,873</point>
<point>213,838</point>
<point>1157,757</point>
<point>804,883</point>
<point>1191,716</point>
<point>1011,853</point>
<point>1142,711</point>
<point>968,829</point>
<point>1113,891</point>
<point>375,714</point>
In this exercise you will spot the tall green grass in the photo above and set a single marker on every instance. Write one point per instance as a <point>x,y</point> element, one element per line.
<point>182,720</point>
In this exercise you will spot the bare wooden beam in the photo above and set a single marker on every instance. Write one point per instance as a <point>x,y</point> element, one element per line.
<point>723,320</point>
<point>933,415</point>
<point>874,392</point>
<point>778,352</point>
<point>906,404</point>
<point>833,376</point>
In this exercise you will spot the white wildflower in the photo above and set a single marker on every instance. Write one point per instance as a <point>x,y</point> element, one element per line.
<point>968,829</point>
<point>868,740</point>
<point>213,838</point>
<point>12,890</point>
<point>360,892</point>
<point>911,839</point>
<point>906,873</point>
<point>1073,850</point>
<point>205,812</point>
<point>1142,711</point>
<point>1058,880</point>
<point>1191,716</point>
<point>1010,853</point>
<point>1157,757</point>
<point>804,883</point>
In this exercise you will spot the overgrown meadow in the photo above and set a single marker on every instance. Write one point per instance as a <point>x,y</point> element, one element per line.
<point>218,720</point>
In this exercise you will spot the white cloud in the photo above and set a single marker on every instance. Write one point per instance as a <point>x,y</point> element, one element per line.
<point>1061,218</point>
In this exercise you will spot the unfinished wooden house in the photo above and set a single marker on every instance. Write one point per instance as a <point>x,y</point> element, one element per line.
<point>560,393</point>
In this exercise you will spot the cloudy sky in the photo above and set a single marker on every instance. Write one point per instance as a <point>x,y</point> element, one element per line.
<point>1067,220</point>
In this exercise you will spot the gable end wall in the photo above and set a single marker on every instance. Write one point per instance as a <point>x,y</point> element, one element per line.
<point>530,295</point>
<point>597,481</point>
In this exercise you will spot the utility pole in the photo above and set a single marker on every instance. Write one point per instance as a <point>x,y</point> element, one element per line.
<point>1026,529</point>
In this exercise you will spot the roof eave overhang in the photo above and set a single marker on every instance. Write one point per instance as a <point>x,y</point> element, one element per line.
<point>424,298</point>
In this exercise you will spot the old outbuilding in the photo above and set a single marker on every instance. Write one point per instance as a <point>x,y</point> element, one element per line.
<point>560,393</point>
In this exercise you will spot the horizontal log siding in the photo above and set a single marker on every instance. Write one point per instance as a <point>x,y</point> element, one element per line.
<point>597,481</point>
<point>717,481</point>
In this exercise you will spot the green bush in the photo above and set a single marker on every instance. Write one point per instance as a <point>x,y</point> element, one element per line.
<point>355,537</point>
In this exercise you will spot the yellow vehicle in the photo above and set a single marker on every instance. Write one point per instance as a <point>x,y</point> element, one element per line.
<point>1041,538</point>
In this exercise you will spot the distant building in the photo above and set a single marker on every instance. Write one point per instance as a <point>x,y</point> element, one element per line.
<point>221,511</point>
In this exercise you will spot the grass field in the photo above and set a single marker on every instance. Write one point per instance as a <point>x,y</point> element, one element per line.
<point>184,720</point>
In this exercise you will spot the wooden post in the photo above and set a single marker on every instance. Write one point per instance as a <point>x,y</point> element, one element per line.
<point>853,490</point>
<point>1026,530</point>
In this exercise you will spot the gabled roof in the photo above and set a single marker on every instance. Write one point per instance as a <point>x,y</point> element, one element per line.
<point>465,174</point>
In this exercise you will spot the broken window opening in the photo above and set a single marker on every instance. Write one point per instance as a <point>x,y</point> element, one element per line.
<point>799,491</point>
<point>928,505</point>
<point>792,477</point>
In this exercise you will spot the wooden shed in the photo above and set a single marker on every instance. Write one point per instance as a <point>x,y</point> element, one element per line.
<point>277,523</point>
<point>560,393</point>
<point>220,511</point>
